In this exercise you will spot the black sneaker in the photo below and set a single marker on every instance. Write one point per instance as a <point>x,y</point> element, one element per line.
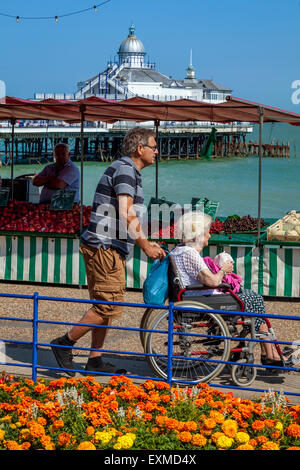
<point>63,355</point>
<point>96,364</point>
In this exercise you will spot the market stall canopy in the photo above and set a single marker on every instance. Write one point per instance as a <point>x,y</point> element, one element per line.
<point>244,110</point>
<point>140,109</point>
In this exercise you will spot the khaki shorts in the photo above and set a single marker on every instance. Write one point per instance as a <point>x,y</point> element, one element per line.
<point>105,272</point>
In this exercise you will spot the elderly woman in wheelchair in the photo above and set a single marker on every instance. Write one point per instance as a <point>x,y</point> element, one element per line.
<point>201,340</point>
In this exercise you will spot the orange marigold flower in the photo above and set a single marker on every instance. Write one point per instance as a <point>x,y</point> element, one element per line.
<point>25,445</point>
<point>149,385</point>
<point>229,427</point>
<point>217,416</point>
<point>64,439</point>
<point>200,401</point>
<point>210,423</point>
<point>276,435</point>
<point>58,424</point>
<point>293,448</point>
<point>258,425</point>
<point>160,420</point>
<point>261,439</point>
<point>165,398</point>
<point>185,436</point>
<point>245,447</point>
<point>172,423</point>
<point>198,440</point>
<point>42,421</point>
<point>40,388</point>
<point>190,426</point>
<point>13,445</point>
<point>86,445</point>
<point>252,442</point>
<point>147,417</point>
<point>270,423</point>
<point>269,445</point>
<point>293,430</point>
<point>36,429</point>
<point>90,430</point>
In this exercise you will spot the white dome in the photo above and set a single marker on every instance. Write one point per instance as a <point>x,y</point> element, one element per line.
<point>131,45</point>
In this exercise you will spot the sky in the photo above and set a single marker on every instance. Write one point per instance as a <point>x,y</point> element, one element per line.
<point>249,46</point>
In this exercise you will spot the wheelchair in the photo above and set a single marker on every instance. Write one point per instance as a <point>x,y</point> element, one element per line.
<point>204,335</point>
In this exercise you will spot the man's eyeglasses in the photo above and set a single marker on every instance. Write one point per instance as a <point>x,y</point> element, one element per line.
<point>152,147</point>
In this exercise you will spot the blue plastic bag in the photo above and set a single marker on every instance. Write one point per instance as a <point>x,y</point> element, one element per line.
<point>156,286</point>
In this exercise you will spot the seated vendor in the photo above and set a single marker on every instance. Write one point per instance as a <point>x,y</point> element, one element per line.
<point>62,174</point>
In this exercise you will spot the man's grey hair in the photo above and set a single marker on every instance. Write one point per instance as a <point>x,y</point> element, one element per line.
<point>134,137</point>
<point>62,144</point>
<point>192,227</point>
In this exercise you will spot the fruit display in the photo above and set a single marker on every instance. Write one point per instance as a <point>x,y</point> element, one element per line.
<point>217,226</point>
<point>246,223</point>
<point>23,216</point>
<point>286,229</point>
<point>232,224</point>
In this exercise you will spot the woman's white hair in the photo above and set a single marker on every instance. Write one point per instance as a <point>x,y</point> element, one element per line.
<point>192,227</point>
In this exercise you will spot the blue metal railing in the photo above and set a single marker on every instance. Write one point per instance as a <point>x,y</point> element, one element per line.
<point>170,334</point>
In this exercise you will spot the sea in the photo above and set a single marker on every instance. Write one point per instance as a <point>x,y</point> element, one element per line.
<point>233,181</point>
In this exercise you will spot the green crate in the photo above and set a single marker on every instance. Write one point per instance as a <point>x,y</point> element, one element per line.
<point>209,207</point>
<point>163,201</point>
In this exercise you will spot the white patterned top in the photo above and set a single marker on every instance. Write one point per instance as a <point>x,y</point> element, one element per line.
<point>189,264</point>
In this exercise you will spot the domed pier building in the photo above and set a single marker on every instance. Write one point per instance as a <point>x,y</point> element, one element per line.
<point>132,74</point>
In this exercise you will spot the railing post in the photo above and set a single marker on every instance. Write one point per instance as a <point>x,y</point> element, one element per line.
<point>34,335</point>
<point>170,344</point>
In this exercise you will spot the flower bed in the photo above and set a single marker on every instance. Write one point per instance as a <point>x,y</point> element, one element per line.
<point>81,414</point>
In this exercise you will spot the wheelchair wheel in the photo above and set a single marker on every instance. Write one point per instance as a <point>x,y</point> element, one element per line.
<point>146,318</point>
<point>192,347</point>
<point>242,375</point>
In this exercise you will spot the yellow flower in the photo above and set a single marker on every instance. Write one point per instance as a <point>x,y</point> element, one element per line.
<point>279,426</point>
<point>242,437</point>
<point>124,442</point>
<point>103,437</point>
<point>215,436</point>
<point>2,434</point>
<point>224,442</point>
<point>6,418</point>
<point>25,434</point>
<point>86,445</point>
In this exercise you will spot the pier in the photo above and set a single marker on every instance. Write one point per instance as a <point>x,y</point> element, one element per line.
<point>35,145</point>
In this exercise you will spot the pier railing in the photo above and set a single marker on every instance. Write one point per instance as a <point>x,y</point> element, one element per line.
<point>170,333</point>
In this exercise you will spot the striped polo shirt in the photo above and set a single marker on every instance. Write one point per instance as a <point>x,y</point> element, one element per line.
<point>105,229</point>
